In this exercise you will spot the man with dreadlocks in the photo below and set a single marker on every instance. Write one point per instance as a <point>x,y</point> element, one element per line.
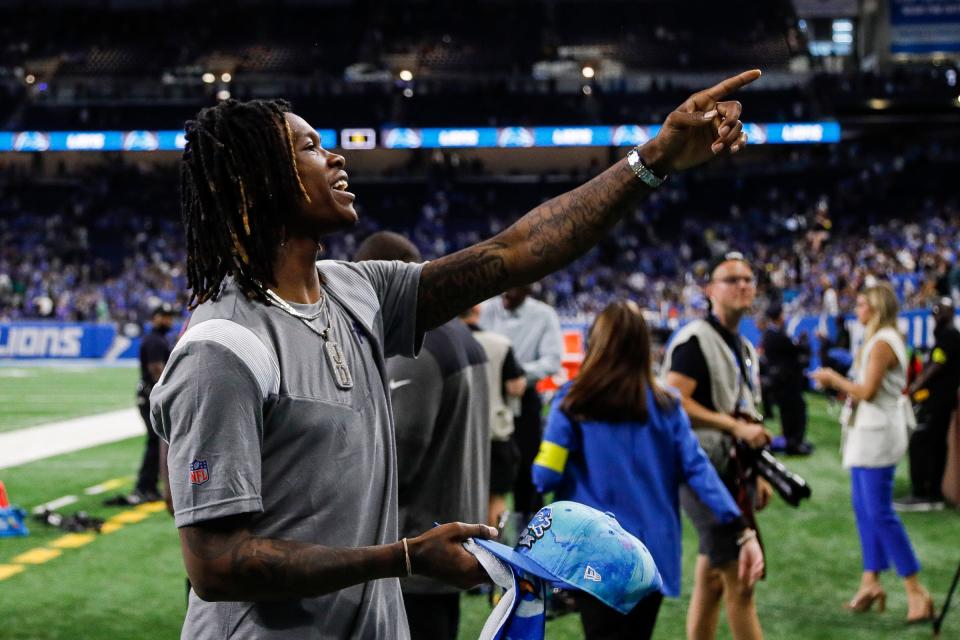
<point>282,459</point>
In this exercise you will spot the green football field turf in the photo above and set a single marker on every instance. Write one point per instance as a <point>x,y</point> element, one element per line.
<point>37,395</point>
<point>129,583</point>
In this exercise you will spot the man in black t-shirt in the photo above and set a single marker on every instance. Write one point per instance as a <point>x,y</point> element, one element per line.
<point>936,390</point>
<point>717,374</point>
<point>154,352</point>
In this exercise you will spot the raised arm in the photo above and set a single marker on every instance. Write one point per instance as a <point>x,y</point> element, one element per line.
<point>564,228</point>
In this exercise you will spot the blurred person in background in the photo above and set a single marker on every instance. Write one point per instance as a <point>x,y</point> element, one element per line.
<point>716,371</point>
<point>785,362</point>
<point>154,352</point>
<point>619,442</point>
<point>935,391</point>
<point>875,427</point>
<point>506,384</point>
<point>533,328</point>
<point>282,453</point>
<point>441,410</point>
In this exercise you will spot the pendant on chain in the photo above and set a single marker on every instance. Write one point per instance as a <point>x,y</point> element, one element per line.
<point>341,373</point>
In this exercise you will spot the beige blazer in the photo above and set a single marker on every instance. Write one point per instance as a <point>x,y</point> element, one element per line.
<point>876,432</point>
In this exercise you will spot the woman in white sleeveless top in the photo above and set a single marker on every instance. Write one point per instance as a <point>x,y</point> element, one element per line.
<point>875,435</point>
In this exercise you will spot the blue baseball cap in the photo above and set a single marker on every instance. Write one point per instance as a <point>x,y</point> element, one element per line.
<point>575,545</point>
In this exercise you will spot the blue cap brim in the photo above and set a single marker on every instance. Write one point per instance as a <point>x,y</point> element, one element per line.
<point>516,559</point>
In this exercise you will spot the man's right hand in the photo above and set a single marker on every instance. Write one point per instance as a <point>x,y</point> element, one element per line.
<point>439,554</point>
<point>752,433</point>
<point>751,562</point>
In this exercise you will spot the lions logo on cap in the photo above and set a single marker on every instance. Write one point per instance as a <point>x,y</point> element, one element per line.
<point>537,528</point>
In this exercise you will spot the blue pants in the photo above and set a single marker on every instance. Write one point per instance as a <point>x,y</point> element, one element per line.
<point>882,536</point>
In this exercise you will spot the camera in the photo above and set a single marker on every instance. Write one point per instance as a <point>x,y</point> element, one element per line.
<point>788,485</point>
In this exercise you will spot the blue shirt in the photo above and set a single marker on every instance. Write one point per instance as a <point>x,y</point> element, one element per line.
<point>633,470</point>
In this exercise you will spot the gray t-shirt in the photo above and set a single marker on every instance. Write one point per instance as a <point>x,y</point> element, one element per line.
<point>442,407</point>
<point>256,425</point>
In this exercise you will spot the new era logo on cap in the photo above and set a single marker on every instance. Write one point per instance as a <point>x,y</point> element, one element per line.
<point>578,546</point>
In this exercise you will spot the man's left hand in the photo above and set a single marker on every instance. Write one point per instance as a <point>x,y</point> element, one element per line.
<point>700,128</point>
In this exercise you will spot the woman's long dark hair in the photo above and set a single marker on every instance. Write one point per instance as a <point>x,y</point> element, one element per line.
<point>617,371</point>
<point>238,186</point>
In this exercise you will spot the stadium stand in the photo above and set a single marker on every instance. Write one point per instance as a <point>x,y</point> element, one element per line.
<point>106,243</point>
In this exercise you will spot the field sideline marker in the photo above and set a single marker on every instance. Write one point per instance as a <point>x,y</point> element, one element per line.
<point>43,554</point>
<point>107,485</point>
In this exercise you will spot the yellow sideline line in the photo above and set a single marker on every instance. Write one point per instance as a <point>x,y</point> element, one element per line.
<point>41,555</point>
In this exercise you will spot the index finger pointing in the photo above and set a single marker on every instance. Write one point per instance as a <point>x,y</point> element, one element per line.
<point>730,85</point>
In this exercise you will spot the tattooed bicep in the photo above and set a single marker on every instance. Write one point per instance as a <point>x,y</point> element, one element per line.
<point>457,281</point>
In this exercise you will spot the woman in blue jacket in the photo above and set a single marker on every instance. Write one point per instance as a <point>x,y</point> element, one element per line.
<point>617,441</point>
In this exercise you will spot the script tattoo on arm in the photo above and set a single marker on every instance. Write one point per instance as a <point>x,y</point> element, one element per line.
<point>548,237</point>
<point>226,562</point>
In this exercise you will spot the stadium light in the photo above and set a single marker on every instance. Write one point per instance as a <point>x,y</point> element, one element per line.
<point>30,79</point>
<point>588,72</point>
<point>408,93</point>
<point>587,90</point>
<point>406,75</point>
<point>226,77</point>
<point>223,94</point>
<point>878,103</point>
<point>208,77</point>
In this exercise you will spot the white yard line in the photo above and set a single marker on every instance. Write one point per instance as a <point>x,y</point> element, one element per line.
<point>35,443</point>
<point>53,505</point>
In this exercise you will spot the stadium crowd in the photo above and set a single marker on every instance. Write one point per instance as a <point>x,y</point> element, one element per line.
<point>106,245</point>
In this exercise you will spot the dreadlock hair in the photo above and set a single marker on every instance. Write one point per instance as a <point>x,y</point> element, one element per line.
<point>238,185</point>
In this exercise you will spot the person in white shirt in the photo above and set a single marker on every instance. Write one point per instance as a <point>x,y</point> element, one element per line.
<point>875,438</point>
<point>533,328</point>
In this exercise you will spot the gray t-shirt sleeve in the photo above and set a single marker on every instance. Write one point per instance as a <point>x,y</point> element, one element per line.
<point>396,284</point>
<point>209,408</point>
<point>416,388</point>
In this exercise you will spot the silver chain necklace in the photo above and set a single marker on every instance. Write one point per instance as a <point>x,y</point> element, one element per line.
<point>338,363</point>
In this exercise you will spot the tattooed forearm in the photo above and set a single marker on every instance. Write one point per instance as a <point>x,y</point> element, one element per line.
<point>545,239</point>
<point>235,565</point>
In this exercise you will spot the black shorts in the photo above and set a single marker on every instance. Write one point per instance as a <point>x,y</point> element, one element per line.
<point>717,541</point>
<point>504,464</point>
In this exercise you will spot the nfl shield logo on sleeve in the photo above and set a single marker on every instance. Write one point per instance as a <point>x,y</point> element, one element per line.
<point>198,472</point>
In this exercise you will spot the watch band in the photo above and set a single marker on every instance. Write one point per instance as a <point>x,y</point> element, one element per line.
<point>647,176</point>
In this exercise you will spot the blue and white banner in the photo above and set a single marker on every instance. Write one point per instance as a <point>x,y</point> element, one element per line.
<point>417,138</point>
<point>33,141</point>
<point>87,340</point>
<point>56,340</point>
<point>589,136</point>
<point>924,26</point>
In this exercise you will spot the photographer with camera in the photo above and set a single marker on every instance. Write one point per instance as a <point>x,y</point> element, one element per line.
<point>716,371</point>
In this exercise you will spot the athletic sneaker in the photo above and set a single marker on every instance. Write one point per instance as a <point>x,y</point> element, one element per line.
<point>802,449</point>
<point>916,503</point>
<point>139,497</point>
